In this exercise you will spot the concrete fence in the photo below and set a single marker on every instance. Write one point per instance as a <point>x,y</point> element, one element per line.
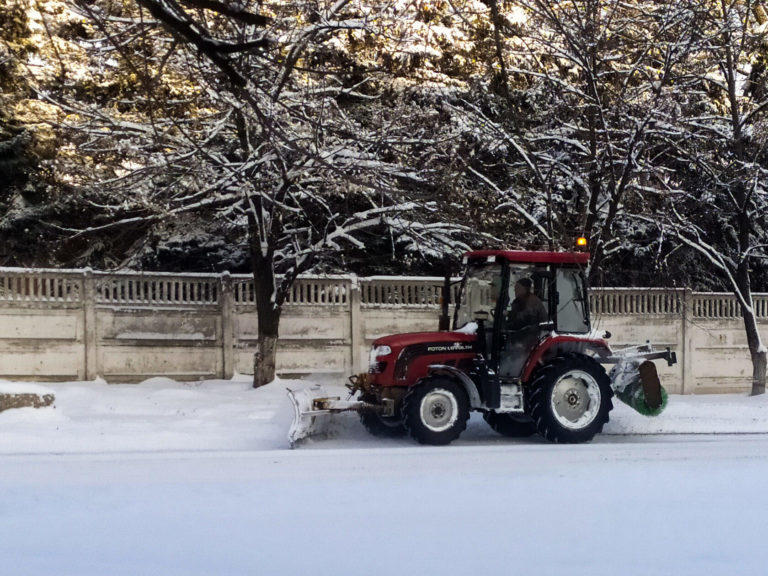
<point>129,326</point>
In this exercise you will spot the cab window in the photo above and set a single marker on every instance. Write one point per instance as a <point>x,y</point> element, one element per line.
<point>571,304</point>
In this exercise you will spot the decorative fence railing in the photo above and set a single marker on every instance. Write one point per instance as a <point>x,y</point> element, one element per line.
<point>156,289</point>
<point>637,301</point>
<point>190,290</point>
<point>725,305</point>
<point>19,285</point>
<point>407,291</point>
<point>308,289</point>
<point>128,326</point>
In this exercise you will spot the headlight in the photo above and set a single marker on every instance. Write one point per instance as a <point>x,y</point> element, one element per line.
<point>373,359</point>
<point>382,351</point>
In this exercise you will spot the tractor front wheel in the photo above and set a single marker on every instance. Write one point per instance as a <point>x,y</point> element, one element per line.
<point>436,411</point>
<point>383,426</point>
<point>570,399</point>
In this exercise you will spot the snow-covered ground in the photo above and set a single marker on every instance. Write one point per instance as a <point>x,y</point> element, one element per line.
<point>163,415</point>
<point>167,478</point>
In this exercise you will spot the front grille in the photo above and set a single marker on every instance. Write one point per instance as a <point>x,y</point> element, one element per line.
<point>377,368</point>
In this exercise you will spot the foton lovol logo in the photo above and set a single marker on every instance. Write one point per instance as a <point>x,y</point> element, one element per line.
<point>455,347</point>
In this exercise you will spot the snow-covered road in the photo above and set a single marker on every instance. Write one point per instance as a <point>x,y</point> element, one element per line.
<point>166,478</point>
<point>621,505</point>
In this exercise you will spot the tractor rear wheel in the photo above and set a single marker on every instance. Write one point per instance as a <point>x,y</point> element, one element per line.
<point>436,411</point>
<point>570,399</point>
<point>512,425</point>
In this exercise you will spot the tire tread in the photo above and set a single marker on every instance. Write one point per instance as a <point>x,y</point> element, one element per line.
<point>411,419</point>
<point>539,409</point>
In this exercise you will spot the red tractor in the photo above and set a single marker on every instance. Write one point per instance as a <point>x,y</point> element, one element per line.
<point>522,352</point>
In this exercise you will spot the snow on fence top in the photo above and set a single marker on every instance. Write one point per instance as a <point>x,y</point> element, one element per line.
<point>52,287</point>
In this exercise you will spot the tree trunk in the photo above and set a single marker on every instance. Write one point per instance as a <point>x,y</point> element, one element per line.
<point>757,352</point>
<point>268,303</point>
<point>759,362</point>
<point>497,22</point>
<point>264,360</point>
<point>756,347</point>
<point>269,322</point>
<point>743,221</point>
<point>445,304</point>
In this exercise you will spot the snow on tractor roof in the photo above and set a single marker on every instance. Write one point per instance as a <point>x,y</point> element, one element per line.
<point>532,256</point>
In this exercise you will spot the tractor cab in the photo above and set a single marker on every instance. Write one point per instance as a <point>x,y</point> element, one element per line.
<point>516,298</point>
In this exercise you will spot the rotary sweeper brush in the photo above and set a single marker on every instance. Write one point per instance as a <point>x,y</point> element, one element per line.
<point>522,352</point>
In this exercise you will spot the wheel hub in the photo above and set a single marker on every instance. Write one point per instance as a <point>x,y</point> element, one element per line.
<point>439,410</point>
<point>576,399</point>
<point>573,397</point>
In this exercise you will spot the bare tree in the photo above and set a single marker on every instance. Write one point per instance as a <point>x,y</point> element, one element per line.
<point>585,85</point>
<point>266,139</point>
<point>715,200</point>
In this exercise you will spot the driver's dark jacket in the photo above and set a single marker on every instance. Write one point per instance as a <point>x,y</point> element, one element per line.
<point>526,312</point>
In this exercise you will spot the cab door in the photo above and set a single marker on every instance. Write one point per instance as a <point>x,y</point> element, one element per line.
<point>524,320</point>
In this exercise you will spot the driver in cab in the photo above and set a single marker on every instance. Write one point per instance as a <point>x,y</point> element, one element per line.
<point>524,315</point>
<point>526,310</point>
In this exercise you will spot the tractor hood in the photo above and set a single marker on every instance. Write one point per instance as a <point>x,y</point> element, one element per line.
<point>410,338</point>
<point>401,359</point>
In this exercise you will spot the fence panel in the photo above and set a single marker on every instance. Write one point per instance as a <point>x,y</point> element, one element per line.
<point>57,324</point>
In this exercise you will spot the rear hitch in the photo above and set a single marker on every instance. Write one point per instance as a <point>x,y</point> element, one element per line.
<point>644,352</point>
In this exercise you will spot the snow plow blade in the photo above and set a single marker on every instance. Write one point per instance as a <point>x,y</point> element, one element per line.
<point>312,408</point>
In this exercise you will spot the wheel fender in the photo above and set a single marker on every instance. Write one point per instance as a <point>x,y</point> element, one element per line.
<point>461,377</point>
<point>570,344</point>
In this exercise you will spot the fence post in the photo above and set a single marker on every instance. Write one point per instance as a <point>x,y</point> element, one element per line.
<point>227,326</point>
<point>686,350</point>
<point>355,323</point>
<point>90,337</point>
